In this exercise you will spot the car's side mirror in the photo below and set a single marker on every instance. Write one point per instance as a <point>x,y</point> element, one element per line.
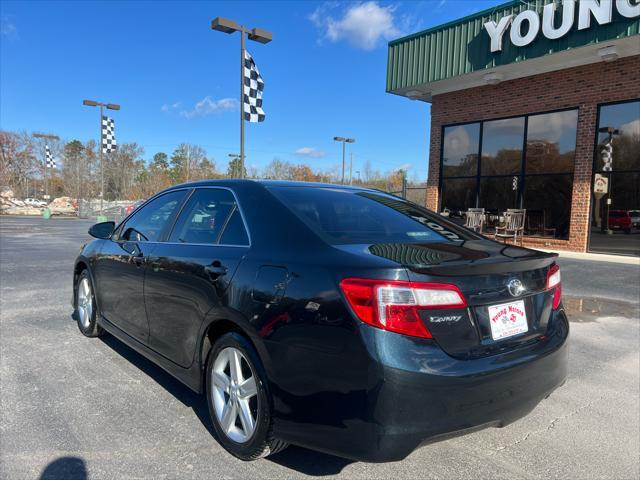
<point>102,230</point>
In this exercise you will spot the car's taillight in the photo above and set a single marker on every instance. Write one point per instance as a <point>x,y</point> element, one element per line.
<point>395,305</point>
<point>554,281</point>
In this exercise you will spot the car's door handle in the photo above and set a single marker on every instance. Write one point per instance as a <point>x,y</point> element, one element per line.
<point>215,270</point>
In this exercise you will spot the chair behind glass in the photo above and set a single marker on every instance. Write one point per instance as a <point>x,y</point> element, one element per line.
<point>513,226</point>
<point>474,219</point>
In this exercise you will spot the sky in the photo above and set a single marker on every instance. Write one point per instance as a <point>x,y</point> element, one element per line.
<point>178,81</point>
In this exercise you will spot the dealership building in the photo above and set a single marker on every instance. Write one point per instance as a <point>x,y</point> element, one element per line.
<point>534,105</point>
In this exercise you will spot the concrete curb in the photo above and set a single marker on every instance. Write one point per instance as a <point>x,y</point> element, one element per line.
<point>596,257</point>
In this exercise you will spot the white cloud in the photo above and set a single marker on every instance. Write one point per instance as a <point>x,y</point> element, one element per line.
<point>8,29</point>
<point>167,107</point>
<point>632,128</point>
<point>362,25</point>
<point>457,144</point>
<point>441,4</point>
<point>309,152</point>
<point>552,127</point>
<point>207,106</point>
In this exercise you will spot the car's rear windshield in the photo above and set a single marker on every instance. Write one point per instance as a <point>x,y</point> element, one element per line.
<point>618,213</point>
<point>346,216</point>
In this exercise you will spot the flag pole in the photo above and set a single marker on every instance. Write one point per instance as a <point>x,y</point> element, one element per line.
<point>46,138</point>
<point>101,167</point>
<point>256,34</point>
<point>46,180</point>
<point>242,32</point>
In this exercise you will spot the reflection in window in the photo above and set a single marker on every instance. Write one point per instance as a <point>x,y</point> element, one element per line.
<point>497,194</point>
<point>547,199</point>
<point>502,142</point>
<point>460,150</point>
<point>203,217</point>
<point>343,217</point>
<point>458,194</point>
<point>626,146</point>
<point>551,142</point>
<point>620,206</point>
<point>626,191</point>
<point>550,158</point>
<point>148,223</point>
<point>234,232</point>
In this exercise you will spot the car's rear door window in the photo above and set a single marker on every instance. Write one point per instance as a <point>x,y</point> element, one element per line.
<point>346,216</point>
<point>204,216</point>
<point>235,232</point>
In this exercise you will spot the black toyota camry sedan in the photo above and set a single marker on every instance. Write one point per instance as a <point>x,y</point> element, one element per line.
<point>340,319</point>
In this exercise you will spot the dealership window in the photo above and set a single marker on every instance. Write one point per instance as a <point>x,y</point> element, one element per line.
<point>520,162</point>
<point>622,199</point>
<point>460,153</point>
<point>548,181</point>
<point>502,142</point>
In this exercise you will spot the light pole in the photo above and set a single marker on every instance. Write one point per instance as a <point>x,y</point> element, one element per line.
<point>46,184</point>
<point>256,34</point>
<point>344,141</point>
<point>110,106</point>
<point>351,168</point>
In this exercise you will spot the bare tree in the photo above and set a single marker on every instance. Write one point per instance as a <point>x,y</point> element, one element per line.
<point>72,168</point>
<point>18,163</point>
<point>278,170</point>
<point>121,170</point>
<point>186,161</point>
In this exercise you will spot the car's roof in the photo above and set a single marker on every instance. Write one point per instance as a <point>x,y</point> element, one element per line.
<point>273,183</point>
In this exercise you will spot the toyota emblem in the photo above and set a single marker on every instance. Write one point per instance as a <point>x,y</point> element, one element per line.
<point>515,287</point>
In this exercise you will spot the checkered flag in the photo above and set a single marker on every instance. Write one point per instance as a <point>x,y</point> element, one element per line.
<point>253,87</point>
<point>108,135</point>
<point>48,158</point>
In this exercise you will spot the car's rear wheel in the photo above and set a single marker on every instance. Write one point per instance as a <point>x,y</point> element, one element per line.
<point>239,400</point>
<point>86,307</point>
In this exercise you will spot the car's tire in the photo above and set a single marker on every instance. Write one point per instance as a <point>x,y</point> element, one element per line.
<point>239,401</point>
<point>85,307</point>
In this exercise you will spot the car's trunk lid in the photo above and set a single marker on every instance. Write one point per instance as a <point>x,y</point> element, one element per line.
<point>482,270</point>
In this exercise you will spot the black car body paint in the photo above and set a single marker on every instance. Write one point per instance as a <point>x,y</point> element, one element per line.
<point>338,384</point>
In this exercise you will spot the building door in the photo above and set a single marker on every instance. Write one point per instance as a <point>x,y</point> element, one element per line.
<point>615,186</point>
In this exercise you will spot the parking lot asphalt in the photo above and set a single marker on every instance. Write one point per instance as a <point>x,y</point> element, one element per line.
<point>73,407</point>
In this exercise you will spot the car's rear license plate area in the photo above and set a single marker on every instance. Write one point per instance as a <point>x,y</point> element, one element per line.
<point>507,319</point>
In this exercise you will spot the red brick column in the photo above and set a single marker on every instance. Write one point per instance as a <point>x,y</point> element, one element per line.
<point>433,193</point>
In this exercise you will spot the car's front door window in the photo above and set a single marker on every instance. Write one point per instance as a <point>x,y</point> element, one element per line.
<point>148,224</point>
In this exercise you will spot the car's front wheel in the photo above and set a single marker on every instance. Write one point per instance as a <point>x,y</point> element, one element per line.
<point>86,307</point>
<point>238,399</point>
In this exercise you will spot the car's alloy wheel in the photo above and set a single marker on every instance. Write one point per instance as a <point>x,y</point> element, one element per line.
<point>86,309</point>
<point>234,394</point>
<point>85,303</point>
<point>239,400</point>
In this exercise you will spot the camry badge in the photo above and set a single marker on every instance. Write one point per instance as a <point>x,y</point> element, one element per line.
<point>447,318</point>
<point>515,287</point>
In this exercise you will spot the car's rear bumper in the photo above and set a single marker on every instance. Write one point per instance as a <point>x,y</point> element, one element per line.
<point>419,394</point>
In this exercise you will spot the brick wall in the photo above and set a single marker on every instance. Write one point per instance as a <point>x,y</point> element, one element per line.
<point>582,87</point>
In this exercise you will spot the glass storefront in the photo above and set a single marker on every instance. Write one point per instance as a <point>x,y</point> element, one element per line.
<point>615,213</point>
<point>490,165</point>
